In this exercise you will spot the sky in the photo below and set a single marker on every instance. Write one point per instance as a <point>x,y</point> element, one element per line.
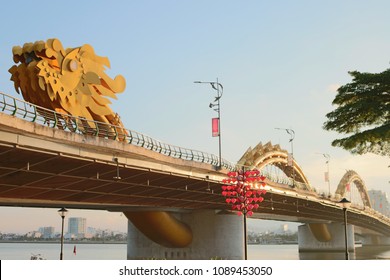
<point>280,64</point>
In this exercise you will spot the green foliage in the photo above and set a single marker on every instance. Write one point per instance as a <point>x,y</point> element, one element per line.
<point>363,113</point>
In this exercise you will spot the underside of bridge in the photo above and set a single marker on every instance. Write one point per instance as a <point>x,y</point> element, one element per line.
<point>79,156</point>
<point>42,178</point>
<point>45,167</point>
<point>35,178</point>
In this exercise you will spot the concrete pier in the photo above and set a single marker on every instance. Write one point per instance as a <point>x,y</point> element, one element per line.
<point>216,235</point>
<point>375,240</point>
<point>307,242</point>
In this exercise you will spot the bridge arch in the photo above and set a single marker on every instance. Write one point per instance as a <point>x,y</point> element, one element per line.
<point>352,177</point>
<point>268,154</point>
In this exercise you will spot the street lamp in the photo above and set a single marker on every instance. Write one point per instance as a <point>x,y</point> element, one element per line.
<point>62,212</point>
<point>345,203</point>
<point>292,136</point>
<point>215,105</point>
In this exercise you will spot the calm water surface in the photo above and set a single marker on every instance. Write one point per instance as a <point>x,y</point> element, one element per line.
<point>50,251</point>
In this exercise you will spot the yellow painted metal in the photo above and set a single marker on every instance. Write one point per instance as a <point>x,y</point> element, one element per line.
<point>268,154</point>
<point>71,81</point>
<point>353,177</point>
<point>162,228</point>
<point>320,232</point>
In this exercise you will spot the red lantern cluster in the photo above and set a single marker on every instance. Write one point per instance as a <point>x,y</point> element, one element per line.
<point>240,193</point>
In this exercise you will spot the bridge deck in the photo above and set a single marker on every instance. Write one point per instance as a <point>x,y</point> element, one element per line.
<point>46,167</point>
<point>40,167</point>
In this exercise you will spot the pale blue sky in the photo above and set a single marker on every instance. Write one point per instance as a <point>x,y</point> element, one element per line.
<point>279,63</point>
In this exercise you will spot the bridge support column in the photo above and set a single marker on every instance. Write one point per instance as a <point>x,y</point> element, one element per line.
<point>308,240</point>
<point>375,240</point>
<point>215,235</point>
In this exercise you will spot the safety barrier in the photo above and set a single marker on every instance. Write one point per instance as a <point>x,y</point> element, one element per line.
<point>36,114</point>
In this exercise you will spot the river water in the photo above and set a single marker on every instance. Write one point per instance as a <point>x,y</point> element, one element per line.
<point>50,251</point>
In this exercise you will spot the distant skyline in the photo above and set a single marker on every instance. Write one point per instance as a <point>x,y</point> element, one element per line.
<point>280,63</point>
<point>31,219</point>
<point>28,220</point>
<point>57,227</point>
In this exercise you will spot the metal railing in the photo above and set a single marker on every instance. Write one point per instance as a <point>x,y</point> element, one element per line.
<point>36,114</point>
<point>21,109</point>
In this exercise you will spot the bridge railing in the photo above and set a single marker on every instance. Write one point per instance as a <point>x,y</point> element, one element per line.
<point>36,114</point>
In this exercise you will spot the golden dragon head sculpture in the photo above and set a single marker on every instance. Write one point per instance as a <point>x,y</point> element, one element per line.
<point>70,81</point>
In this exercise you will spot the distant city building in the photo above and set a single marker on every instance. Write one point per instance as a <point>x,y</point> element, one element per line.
<point>379,202</point>
<point>283,229</point>
<point>47,232</point>
<point>77,227</point>
<point>34,234</point>
<point>91,230</point>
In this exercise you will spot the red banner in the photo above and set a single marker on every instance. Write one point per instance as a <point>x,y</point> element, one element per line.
<point>326,176</point>
<point>215,127</point>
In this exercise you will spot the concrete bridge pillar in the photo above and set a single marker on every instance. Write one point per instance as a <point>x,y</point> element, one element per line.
<point>216,234</point>
<point>375,240</point>
<point>333,239</point>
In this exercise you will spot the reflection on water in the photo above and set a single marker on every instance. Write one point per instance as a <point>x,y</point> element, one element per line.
<point>291,252</point>
<point>325,256</point>
<point>361,253</point>
<point>50,251</point>
<point>273,252</point>
<point>373,252</point>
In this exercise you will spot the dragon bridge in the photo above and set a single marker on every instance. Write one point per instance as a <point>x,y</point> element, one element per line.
<point>73,82</point>
<point>321,231</point>
<point>352,177</point>
<point>70,81</point>
<point>268,154</point>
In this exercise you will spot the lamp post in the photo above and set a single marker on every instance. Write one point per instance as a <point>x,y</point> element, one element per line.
<point>215,105</point>
<point>62,212</point>
<point>327,174</point>
<point>292,136</point>
<point>345,203</point>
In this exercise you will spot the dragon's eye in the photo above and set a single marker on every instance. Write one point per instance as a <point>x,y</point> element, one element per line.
<point>30,57</point>
<point>73,65</point>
